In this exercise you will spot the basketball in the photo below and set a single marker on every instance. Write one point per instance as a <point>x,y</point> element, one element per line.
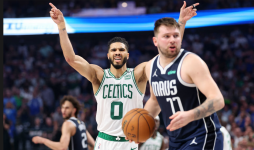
<point>138,125</point>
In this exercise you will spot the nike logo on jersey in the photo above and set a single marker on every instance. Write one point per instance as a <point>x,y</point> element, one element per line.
<point>154,74</point>
<point>133,148</point>
<point>171,72</point>
<point>193,141</point>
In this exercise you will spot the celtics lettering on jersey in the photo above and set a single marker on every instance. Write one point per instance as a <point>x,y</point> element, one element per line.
<point>117,91</point>
<point>167,88</point>
<point>115,97</point>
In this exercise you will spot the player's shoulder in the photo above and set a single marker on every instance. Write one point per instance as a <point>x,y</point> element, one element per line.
<point>140,67</point>
<point>68,126</point>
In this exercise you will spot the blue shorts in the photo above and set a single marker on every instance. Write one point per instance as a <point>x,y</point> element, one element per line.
<point>203,142</point>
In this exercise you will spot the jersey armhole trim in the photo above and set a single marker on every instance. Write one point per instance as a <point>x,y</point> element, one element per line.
<point>134,80</point>
<point>72,122</point>
<point>150,77</point>
<point>101,83</point>
<point>179,73</point>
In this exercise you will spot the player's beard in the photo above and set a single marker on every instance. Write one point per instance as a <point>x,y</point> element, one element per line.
<point>68,116</point>
<point>120,65</point>
<point>167,54</point>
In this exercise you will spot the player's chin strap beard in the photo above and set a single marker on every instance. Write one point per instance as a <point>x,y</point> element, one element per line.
<point>117,66</point>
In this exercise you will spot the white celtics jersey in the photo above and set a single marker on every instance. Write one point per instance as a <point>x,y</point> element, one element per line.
<point>226,139</point>
<point>115,97</point>
<point>153,144</point>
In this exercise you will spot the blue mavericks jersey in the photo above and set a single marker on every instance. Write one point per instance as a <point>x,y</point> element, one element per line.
<point>173,94</point>
<point>79,140</point>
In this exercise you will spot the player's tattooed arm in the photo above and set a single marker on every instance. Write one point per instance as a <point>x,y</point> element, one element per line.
<point>205,109</point>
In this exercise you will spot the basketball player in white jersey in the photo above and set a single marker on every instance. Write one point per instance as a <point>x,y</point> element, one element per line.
<point>156,142</point>
<point>226,139</point>
<point>117,89</point>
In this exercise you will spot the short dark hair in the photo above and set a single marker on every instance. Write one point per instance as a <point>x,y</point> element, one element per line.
<point>166,21</point>
<point>74,102</point>
<point>118,39</point>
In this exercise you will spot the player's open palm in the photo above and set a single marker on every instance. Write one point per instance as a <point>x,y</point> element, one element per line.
<point>179,120</point>
<point>187,13</point>
<point>56,14</point>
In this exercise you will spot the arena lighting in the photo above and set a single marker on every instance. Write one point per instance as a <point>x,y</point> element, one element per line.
<point>44,25</point>
<point>124,4</point>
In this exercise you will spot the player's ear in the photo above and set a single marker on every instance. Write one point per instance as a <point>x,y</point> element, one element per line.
<point>128,55</point>
<point>107,55</point>
<point>155,40</point>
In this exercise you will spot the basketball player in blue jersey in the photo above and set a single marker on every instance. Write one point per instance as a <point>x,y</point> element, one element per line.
<point>74,133</point>
<point>117,89</point>
<point>183,90</point>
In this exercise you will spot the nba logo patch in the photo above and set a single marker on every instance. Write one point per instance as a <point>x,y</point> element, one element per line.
<point>99,146</point>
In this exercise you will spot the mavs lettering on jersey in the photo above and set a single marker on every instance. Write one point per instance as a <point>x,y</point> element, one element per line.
<point>173,94</point>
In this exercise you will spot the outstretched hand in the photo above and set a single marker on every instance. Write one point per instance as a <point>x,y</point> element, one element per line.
<point>38,140</point>
<point>186,13</point>
<point>56,14</point>
<point>179,120</point>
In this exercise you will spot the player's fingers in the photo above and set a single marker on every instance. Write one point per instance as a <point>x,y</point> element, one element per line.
<point>173,116</point>
<point>184,5</point>
<point>52,5</point>
<point>174,122</point>
<point>191,7</point>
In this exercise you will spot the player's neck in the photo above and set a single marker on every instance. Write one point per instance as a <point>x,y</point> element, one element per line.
<point>154,134</point>
<point>71,117</point>
<point>118,72</point>
<point>164,61</point>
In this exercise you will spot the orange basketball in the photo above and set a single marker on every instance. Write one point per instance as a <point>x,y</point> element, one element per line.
<point>138,125</point>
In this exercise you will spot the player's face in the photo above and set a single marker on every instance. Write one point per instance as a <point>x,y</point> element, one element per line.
<point>118,55</point>
<point>67,110</point>
<point>168,41</point>
<point>157,124</point>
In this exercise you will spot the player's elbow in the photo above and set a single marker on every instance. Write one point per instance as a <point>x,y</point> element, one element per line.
<point>69,60</point>
<point>221,102</point>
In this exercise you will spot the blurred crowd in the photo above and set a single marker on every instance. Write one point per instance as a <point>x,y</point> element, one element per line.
<point>36,77</point>
<point>31,8</point>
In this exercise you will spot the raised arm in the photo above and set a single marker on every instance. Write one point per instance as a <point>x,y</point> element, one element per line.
<point>185,15</point>
<point>91,72</point>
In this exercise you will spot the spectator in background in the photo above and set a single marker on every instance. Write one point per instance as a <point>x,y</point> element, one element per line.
<point>237,136</point>
<point>45,49</point>
<point>17,97</point>
<point>6,137</point>
<point>35,104</point>
<point>48,128</point>
<point>226,112</point>
<point>9,98</point>
<point>57,116</point>
<point>35,130</point>
<point>48,98</point>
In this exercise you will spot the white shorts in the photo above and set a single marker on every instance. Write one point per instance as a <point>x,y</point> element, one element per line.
<point>102,144</point>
